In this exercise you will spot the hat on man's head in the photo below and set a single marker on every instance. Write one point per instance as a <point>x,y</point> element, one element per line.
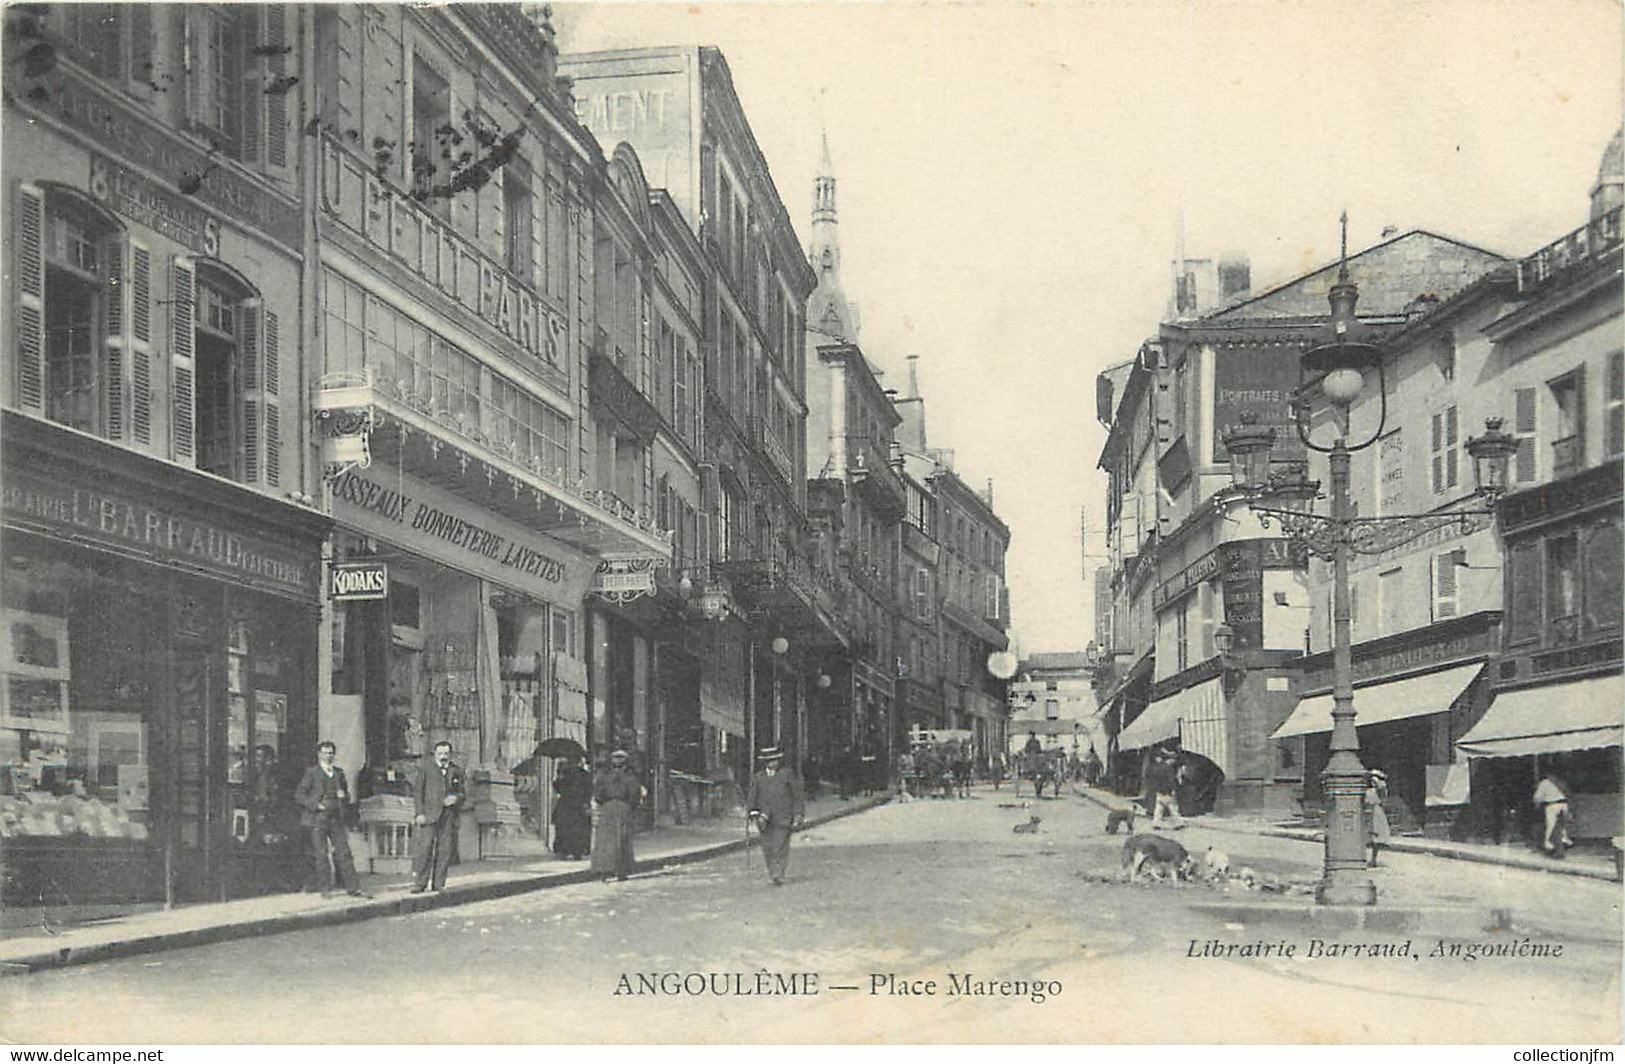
<point>619,755</point>
<point>769,753</point>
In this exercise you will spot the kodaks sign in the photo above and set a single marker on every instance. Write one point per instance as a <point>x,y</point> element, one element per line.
<point>358,581</point>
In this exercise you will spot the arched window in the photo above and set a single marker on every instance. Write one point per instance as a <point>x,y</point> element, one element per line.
<point>228,375</point>
<point>84,314</point>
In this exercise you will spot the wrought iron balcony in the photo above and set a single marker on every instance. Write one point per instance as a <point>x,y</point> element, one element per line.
<point>872,473</point>
<point>777,454</point>
<point>788,589</point>
<point>1582,247</point>
<point>455,454</point>
<point>612,391</point>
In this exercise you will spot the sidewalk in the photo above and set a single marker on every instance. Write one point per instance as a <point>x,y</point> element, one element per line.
<point>197,925</point>
<point>1590,866</point>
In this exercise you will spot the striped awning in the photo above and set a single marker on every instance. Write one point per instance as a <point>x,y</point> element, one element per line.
<point>1582,715</point>
<point>1195,716</point>
<point>1381,703</point>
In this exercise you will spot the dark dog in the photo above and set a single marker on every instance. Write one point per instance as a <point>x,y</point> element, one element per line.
<point>1164,858</point>
<point>1119,818</point>
<point>1030,827</point>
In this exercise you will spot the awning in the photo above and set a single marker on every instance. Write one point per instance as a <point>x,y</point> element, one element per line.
<point>1381,703</point>
<point>1196,706</point>
<point>1583,715</point>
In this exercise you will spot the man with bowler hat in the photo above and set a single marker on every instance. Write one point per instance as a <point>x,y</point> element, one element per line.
<point>775,805</point>
<point>437,796</point>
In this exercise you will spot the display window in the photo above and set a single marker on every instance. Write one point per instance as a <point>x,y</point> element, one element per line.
<point>146,734</point>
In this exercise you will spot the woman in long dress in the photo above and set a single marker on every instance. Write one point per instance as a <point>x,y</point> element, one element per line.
<point>617,791</point>
<point>572,814</point>
<point>1376,789</point>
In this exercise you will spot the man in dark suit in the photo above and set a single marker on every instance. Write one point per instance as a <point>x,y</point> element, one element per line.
<point>775,805</point>
<point>437,796</point>
<point>322,795</point>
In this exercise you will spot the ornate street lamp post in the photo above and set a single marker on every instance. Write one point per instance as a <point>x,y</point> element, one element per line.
<point>1336,371</point>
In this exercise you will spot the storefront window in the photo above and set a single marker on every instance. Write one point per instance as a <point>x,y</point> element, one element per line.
<point>1562,581</point>
<point>1603,591</point>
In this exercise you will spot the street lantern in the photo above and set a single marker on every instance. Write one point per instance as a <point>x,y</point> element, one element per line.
<point>1248,444</point>
<point>780,644</point>
<point>1337,371</point>
<point>1491,452</point>
<point>1224,640</point>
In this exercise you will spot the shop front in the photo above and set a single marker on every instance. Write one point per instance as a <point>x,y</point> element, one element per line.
<point>468,632</point>
<point>1415,695</point>
<point>1558,687</point>
<point>159,697</point>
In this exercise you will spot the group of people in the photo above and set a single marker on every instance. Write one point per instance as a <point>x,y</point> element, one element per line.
<point>323,797</point>
<point>775,806</point>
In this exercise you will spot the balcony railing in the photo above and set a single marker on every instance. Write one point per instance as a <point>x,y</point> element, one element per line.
<point>1585,245</point>
<point>613,391</point>
<point>873,471</point>
<point>1567,455</point>
<point>777,454</point>
<point>409,433</point>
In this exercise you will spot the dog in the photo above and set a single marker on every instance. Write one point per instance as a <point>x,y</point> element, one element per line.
<point>1216,865</point>
<point>1163,858</point>
<point>1119,818</point>
<point>1030,827</point>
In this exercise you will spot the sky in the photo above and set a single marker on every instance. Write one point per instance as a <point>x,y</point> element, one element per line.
<point>1011,178</point>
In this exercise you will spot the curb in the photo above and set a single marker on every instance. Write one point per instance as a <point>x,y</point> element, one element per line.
<point>68,956</point>
<point>1444,920</point>
<point>1396,845</point>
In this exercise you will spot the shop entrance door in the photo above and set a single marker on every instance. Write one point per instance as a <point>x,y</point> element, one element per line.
<point>195,835</point>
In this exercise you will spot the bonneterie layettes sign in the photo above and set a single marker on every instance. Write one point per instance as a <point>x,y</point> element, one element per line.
<point>411,513</point>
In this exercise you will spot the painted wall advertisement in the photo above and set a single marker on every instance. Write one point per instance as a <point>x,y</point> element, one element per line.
<point>1259,382</point>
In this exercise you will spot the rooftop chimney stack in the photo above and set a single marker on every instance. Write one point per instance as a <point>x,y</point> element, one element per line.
<point>913,376</point>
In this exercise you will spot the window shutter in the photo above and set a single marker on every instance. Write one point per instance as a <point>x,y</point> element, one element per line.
<point>270,362</point>
<point>183,361</point>
<point>1580,416</point>
<point>115,386</point>
<point>1444,585</point>
<point>274,34</point>
<point>255,73</point>
<point>142,34</point>
<point>1452,452</point>
<point>1523,427</point>
<point>1616,404</point>
<point>140,344</point>
<point>250,443</point>
<point>28,392</point>
<point>193,61</point>
<point>1438,461</point>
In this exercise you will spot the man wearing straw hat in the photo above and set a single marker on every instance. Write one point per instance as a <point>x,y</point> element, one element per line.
<point>775,806</point>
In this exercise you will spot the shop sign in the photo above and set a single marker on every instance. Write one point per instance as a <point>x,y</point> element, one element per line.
<point>439,525</point>
<point>1596,488</point>
<point>1413,658</point>
<point>1257,382</point>
<point>146,203</point>
<point>358,581</point>
<point>116,127</point>
<point>1203,568</point>
<point>624,579</point>
<point>130,526</point>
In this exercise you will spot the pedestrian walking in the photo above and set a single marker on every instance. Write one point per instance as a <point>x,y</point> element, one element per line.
<point>1091,767</point>
<point>776,807</point>
<point>1377,831</point>
<point>616,792</point>
<point>1161,781</point>
<point>1552,799</point>
<point>905,775</point>
<point>572,811</point>
<point>437,796</point>
<point>322,795</point>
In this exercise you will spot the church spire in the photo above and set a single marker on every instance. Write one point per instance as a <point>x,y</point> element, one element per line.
<point>828,312</point>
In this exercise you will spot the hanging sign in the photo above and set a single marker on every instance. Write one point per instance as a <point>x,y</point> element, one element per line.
<point>358,581</point>
<point>623,579</point>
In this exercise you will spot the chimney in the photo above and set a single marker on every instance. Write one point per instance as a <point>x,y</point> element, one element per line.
<point>988,495</point>
<point>913,376</point>
<point>1235,276</point>
<point>1389,231</point>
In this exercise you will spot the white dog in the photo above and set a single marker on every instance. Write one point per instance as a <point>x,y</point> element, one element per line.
<point>1216,865</point>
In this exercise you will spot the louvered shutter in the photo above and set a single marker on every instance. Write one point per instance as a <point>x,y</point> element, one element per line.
<point>183,360</point>
<point>1451,451</point>
<point>1616,405</point>
<point>115,345</point>
<point>250,442</point>
<point>28,391</point>
<point>142,34</point>
<point>193,71</point>
<point>1438,458</point>
<point>254,72</point>
<point>274,35</point>
<point>1523,427</point>
<point>1579,417</point>
<point>271,367</point>
<point>1444,585</point>
<point>140,345</point>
